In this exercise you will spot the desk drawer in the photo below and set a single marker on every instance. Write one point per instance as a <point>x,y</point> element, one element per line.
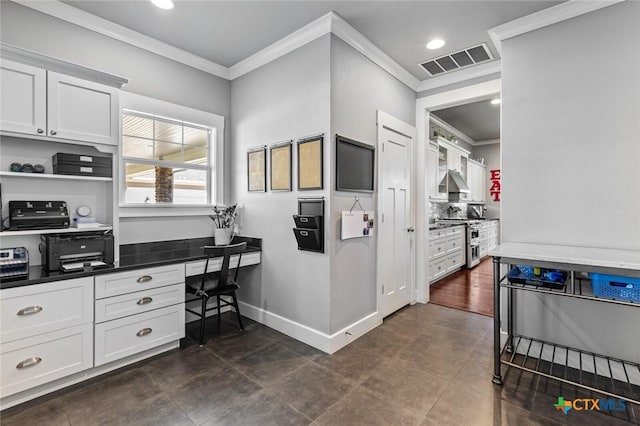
<point>140,279</point>
<point>197,267</point>
<point>41,359</point>
<point>136,333</point>
<point>111,308</point>
<point>41,308</point>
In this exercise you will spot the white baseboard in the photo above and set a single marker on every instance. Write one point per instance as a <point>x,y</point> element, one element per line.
<point>319,340</point>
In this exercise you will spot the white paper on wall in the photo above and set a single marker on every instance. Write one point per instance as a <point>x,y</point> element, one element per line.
<point>356,224</point>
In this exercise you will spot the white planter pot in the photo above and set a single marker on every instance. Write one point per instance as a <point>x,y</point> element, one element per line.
<point>223,236</point>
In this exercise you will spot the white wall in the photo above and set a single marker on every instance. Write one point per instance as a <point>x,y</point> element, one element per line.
<point>149,75</point>
<point>491,155</point>
<point>285,99</point>
<point>358,89</point>
<point>571,161</point>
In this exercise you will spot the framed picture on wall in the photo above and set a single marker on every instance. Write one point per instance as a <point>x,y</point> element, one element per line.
<point>310,163</point>
<point>280,155</point>
<point>257,169</point>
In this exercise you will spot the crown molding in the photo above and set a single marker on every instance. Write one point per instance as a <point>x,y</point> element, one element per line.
<point>487,142</point>
<point>545,17</point>
<point>355,39</point>
<point>449,128</point>
<point>329,23</point>
<point>289,43</point>
<point>8,51</point>
<point>461,75</point>
<point>83,19</point>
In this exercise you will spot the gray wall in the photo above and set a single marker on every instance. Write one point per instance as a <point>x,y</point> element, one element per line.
<point>285,99</point>
<point>571,161</point>
<point>491,155</point>
<point>358,89</point>
<point>149,75</point>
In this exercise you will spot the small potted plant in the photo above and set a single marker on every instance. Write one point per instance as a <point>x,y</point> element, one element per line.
<point>224,218</point>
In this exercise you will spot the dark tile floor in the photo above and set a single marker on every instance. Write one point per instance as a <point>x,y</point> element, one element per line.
<point>426,365</point>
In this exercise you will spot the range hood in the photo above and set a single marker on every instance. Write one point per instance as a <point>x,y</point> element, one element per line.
<point>456,182</point>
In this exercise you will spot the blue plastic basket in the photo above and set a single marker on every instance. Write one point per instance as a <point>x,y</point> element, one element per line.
<point>616,287</point>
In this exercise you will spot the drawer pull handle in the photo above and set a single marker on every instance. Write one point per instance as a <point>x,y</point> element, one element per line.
<point>30,362</point>
<point>144,279</point>
<point>29,311</point>
<point>144,332</point>
<point>145,300</point>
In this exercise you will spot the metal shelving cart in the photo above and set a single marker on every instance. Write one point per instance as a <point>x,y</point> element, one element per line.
<point>605,375</point>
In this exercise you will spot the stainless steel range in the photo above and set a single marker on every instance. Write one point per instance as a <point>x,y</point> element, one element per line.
<point>473,238</point>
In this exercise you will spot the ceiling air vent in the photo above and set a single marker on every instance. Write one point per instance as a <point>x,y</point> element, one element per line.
<point>456,60</point>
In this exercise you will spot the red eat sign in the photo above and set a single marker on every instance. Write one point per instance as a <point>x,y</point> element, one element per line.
<point>495,185</point>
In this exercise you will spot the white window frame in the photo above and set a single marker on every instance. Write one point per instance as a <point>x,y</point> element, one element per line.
<point>131,102</point>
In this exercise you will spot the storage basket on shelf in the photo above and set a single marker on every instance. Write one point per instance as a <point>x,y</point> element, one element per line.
<point>615,287</point>
<point>540,277</point>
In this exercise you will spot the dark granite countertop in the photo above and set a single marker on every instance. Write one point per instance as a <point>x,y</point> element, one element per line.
<point>136,256</point>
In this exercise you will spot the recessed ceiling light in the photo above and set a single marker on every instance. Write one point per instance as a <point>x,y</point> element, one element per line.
<point>436,43</point>
<point>496,101</point>
<point>163,4</point>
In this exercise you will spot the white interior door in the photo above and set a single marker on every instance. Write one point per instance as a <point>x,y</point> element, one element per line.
<point>394,191</point>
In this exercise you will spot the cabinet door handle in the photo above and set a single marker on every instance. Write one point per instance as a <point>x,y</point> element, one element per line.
<point>29,362</point>
<point>144,332</point>
<point>145,300</point>
<point>40,131</point>
<point>29,311</point>
<point>144,279</point>
<point>53,132</point>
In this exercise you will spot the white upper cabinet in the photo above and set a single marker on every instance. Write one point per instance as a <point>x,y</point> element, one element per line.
<point>81,110</point>
<point>432,171</point>
<point>477,181</point>
<point>55,100</point>
<point>23,96</point>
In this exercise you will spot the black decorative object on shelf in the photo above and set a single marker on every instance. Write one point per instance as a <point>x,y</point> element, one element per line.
<point>309,230</point>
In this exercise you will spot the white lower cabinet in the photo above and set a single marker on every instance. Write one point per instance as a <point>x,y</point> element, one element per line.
<point>36,360</point>
<point>41,308</point>
<point>138,310</point>
<point>116,307</point>
<point>140,279</point>
<point>446,251</point>
<point>129,335</point>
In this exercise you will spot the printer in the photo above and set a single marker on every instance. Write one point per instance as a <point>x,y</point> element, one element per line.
<point>38,215</point>
<point>81,251</point>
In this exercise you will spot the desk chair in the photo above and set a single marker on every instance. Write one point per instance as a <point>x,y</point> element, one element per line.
<point>217,284</point>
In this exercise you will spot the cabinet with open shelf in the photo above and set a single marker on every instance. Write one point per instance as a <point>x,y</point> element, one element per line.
<point>51,106</point>
<point>603,374</point>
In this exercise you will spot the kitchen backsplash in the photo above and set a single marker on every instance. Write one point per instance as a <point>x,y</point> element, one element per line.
<point>447,211</point>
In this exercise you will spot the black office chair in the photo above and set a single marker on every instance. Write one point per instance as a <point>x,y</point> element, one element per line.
<point>217,284</point>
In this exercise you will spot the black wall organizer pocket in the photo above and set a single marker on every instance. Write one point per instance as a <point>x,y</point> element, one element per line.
<point>309,230</point>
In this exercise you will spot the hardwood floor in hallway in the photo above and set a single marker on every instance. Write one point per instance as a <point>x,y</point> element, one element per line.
<point>469,290</point>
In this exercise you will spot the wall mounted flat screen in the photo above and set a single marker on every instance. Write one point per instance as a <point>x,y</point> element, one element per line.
<point>355,165</point>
